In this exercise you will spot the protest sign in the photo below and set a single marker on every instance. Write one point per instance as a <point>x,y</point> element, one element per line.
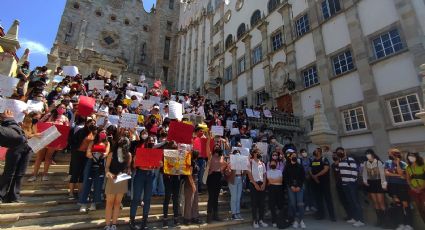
<point>217,130</point>
<point>148,158</point>
<point>101,72</point>
<point>15,106</point>
<point>246,143</point>
<point>58,78</point>
<point>249,112</point>
<point>47,137</point>
<point>257,114</point>
<point>141,89</point>
<point>263,147</point>
<point>129,94</point>
<point>175,110</point>
<point>229,124</point>
<point>62,141</point>
<point>234,131</point>
<point>243,151</point>
<point>267,113</point>
<point>122,177</point>
<point>70,71</point>
<point>147,104</point>
<point>155,99</point>
<point>233,106</point>
<point>177,162</point>
<point>86,106</point>
<point>100,121</point>
<point>114,119</point>
<point>96,84</point>
<point>239,162</point>
<point>129,120</point>
<point>7,85</point>
<point>180,132</point>
<point>35,106</point>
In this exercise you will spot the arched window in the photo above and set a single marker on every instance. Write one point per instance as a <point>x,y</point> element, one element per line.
<point>241,30</point>
<point>229,41</point>
<point>255,18</point>
<point>273,5</point>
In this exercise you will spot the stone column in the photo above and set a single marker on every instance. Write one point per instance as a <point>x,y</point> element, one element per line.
<point>10,44</point>
<point>233,51</point>
<point>265,47</point>
<point>189,60</point>
<point>248,71</point>
<point>202,60</point>
<point>421,114</point>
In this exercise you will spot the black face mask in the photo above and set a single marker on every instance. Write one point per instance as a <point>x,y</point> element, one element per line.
<point>91,128</point>
<point>150,145</point>
<point>335,158</point>
<point>294,159</point>
<point>34,121</point>
<point>391,158</point>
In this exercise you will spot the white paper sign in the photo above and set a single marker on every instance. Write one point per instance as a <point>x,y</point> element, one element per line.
<point>242,150</point>
<point>141,89</point>
<point>129,94</point>
<point>246,143</point>
<point>58,78</point>
<point>7,85</point>
<point>175,110</point>
<point>217,130</point>
<point>129,120</point>
<point>234,131</point>
<point>122,177</point>
<point>233,106</point>
<point>70,71</point>
<point>147,104</point>
<point>114,119</point>
<point>267,113</point>
<point>239,162</point>
<point>155,99</point>
<point>35,106</point>
<point>47,137</point>
<point>96,84</point>
<point>249,113</point>
<point>229,124</point>
<point>257,114</point>
<point>263,146</point>
<point>15,106</point>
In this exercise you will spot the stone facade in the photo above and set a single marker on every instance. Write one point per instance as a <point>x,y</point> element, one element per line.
<point>369,103</point>
<point>118,36</point>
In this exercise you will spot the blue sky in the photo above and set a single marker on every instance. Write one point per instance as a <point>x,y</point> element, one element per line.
<point>39,22</point>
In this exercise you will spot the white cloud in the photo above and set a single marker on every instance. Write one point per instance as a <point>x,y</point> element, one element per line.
<point>34,47</point>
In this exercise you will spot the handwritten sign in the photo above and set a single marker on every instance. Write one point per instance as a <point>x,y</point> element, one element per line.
<point>180,132</point>
<point>239,162</point>
<point>155,99</point>
<point>141,89</point>
<point>246,143</point>
<point>15,106</point>
<point>242,150</point>
<point>249,113</point>
<point>96,84</point>
<point>263,147</point>
<point>147,104</point>
<point>129,120</point>
<point>35,106</point>
<point>70,71</point>
<point>7,85</point>
<point>257,114</point>
<point>175,110</point>
<point>62,141</point>
<point>101,72</point>
<point>177,162</point>
<point>47,137</point>
<point>234,131</point>
<point>114,119</point>
<point>148,158</point>
<point>233,106</point>
<point>267,113</point>
<point>217,130</point>
<point>229,124</point>
<point>130,93</point>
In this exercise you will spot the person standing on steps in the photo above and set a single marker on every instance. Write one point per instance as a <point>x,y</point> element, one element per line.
<point>17,157</point>
<point>416,179</point>
<point>191,209</point>
<point>338,186</point>
<point>275,189</point>
<point>234,181</point>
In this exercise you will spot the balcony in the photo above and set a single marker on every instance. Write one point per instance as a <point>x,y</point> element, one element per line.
<point>278,121</point>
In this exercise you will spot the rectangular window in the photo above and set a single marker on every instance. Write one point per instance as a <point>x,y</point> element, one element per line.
<point>260,97</point>
<point>171,4</point>
<point>354,119</point>
<point>277,41</point>
<point>257,54</point>
<point>167,48</point>
<point>403,109</point>
<point>165,72</point>
<point>310,77</point>
<point>169,25</point>
<point>330,8</point>
<point>303,25</point>
<point>228,73</point>
<point>343,62</point>
<point>241,65</point>
<point>387,43</point>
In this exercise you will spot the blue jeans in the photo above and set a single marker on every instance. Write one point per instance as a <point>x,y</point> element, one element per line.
<point>308,194</point>
<point>351,194</point>
<point>296,203</point>
<point>235,195</point>
<point>158,183</point>
<point>201,164</point>
<point>141,183</point>
<point>92,176</point>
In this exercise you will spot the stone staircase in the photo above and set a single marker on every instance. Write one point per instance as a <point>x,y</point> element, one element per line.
<point>46,206</point>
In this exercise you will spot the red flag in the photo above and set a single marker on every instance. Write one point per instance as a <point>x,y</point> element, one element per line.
<point>148,158</point>
<point>62,141</point>
<point>86,106</point>
<point>180,132</point>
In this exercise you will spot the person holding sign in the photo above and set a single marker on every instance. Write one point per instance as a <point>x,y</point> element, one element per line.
<point>191,211</point>
<point>234,179</point>
<point>118,162</point>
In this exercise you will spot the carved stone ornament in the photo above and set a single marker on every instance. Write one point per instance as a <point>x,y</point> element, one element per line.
<point>109,39</point>
<point>117,4</point>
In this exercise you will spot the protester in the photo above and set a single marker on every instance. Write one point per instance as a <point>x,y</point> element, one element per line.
<point>191,210</point>
<point>234,180</point>
<point>305,161</point>
<point>275,189</point>
<point>416,179</point>
<point>338,186</point>
<point>172,191</point>
<point>294,177</point>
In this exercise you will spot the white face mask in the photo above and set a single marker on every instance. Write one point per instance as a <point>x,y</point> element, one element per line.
<point>304,154</point>
<point>412,159</point>
<point>144,136</point>
<point>369,157</point>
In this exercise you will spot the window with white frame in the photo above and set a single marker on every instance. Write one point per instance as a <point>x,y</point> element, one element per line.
<point>310,77</point>
<point>241,65</point>
<point>343,62</point>
<point>228,73</point>
<point>330,8</point>
<point>354,119</point>
<point>277,41</point>
<point>404,108</point>
<point>387,43</point>
<point>303,25</point>
<point>257,54</point>
<point>260,97</point>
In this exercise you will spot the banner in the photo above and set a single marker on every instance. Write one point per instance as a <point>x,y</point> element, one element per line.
<point>128,120</point>
<point>243,151</point>
<point>15,106</point>
<point>175,110</point>
<point>96,84</point>
<point>239,162</point>
<point>217,130</point>
<point>70,71</point>
<point>148,158</point>
<point>177,162</point>
<point>86,106</point>
<point>35,106</point>
<point>7,85</point>
<point>263,147</point>
<point>180,132</point>
<point>47,137</point>
<point>62,141</point>
<point>246,143</point>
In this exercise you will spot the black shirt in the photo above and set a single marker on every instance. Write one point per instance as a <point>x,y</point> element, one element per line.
<point>318,165</point>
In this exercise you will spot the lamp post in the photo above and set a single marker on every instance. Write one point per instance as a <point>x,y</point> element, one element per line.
<point>421,114</point>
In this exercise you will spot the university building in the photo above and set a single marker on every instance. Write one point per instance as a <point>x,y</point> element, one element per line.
<point>359,58</point>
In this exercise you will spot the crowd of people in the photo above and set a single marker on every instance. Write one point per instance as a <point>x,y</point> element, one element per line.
<point>288,180</point>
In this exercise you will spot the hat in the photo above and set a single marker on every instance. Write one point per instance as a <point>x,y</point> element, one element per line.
<point>156,107</point>
<point>290,151</point>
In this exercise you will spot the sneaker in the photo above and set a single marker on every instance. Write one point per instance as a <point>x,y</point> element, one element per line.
<point>107,228</point>
<point>113,227</point>
<point>408,227</point>
<point>239,217</point>
<point>83,208</point>
<point>164,223</point>
<point>262,224</point>
<point>92,207</point>
<point>234,217</point>
<point>358,224</point>
<point>295,224</point>
<point>255,225</point>
<point>32,179</point>
<point>45,178</point>
<point>400,227</point>
<point>274,225</point>
<point>307,209</point>
<point>302,225</point>
<point>352,221</point>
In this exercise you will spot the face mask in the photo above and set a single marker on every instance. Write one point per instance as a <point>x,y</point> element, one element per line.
<point>38,98</point>
<point>91,128</point>
<point>340,155</point>
<point>369,157</point>
<point>60,111</point>
<point>144,136</point>
<point>391,158</point>
<point>294,159</point>
<point>335,158</point>
<point>304,154</point>
<point>273,166</point>
<point>102,136</point>
<point>150,145</point>
<point>274,157</point>
<point>412,159</point>
<point>34,121</point>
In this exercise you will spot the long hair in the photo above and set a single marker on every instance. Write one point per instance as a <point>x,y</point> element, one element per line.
<point>419,159</point>
<point>371,152</point>
<point>97,139</point>
<point>54,113</point>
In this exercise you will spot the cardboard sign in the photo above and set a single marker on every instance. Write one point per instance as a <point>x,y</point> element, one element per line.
<point>180,132</point>
<point>129,94</point>
<point>47,137</point>
<point>70,71</point>
<point>7,85</point>
<point>15,106</point>
<point>239,162</point>
<point>86,106</point>
<point>246,143</point>
<point>263,146</point>
<point>58,78</point>
<point>96,84</point>
<point>177,162</point>
<point>148,158</point>
<point>267,113</point>
<point>243,151</point>
<point>175,110</point>
<point>62,141</point>
<point>35,106</point>
<point>129,120</point>
<point>249,112</point>
<point>217,130</point>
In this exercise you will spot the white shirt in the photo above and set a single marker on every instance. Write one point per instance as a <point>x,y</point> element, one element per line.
<point>274,174</point>
<point>257,171</point>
